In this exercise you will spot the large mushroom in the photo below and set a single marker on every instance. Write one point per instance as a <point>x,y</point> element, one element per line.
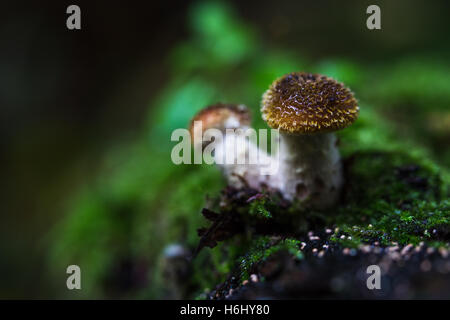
<point>307,109</point>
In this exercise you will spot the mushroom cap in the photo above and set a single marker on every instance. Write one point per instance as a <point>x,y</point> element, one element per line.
<point>302,103</point>
<point>222,116</point>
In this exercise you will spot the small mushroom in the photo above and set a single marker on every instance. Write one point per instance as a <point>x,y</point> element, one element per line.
<point>307,109</point>
<point>232,152</point>
<point>222,116</point>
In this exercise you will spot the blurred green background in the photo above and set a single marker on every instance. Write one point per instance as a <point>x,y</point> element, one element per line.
<point>86,118</point>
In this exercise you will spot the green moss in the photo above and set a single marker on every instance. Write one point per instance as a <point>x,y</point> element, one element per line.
<point>401,226</point>
<point>264,247</point>
<point>390,199</point>
<point>258,208</point>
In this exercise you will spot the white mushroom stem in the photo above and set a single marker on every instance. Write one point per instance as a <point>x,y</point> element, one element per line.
<point>310,169</point>
<point>242,162</point>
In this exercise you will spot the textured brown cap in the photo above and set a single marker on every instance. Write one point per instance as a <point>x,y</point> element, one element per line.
<point>222,116</point>
<point>302,102</point>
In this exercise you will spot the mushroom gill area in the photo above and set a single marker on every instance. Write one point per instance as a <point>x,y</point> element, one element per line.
<point>307,103</point>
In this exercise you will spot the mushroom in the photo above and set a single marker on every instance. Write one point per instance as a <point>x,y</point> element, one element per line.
<point>239,158</point>
<point>307,109</point>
